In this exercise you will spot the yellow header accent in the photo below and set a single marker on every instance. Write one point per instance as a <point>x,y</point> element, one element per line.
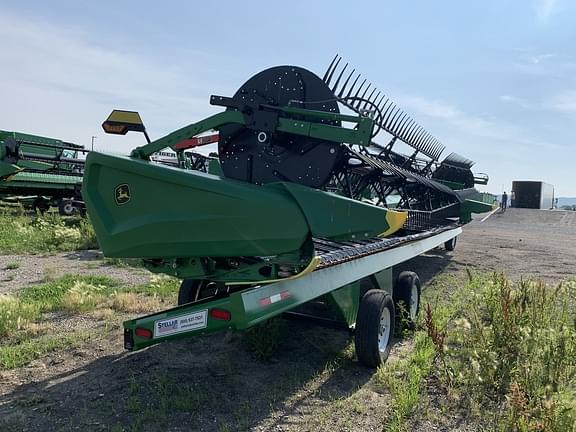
<point>309,269</point>
<point>396,220</point>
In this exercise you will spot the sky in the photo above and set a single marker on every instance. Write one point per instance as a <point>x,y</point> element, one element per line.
<point>493,80</point>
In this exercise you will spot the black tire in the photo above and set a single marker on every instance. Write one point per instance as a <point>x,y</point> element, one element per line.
<point>40,205</point>
<point>450,245</point>
<point>192,290</point>
<point>66,207</point>
<point>372,345</point>
<point>188,291</point>
<point>407,299</point>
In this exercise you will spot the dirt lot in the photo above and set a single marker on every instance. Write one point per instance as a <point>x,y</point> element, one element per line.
<point>215,383</point>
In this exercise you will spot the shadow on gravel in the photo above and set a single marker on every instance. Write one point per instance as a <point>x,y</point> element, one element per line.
<point>207,383</point>
<point>428,265</point>
<point>84,255</point>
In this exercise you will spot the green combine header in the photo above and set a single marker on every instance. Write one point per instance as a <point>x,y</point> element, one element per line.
<point>294,211</point>
<point>46,171</point>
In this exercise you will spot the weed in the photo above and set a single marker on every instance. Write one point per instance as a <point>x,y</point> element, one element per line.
<point>512,347</point>
<point>159,285</point>
<point>46,233</point>
<point>264,339</point>
<point>88,238</point>
<point>12,265</point>
<point>49,273</point>
<point>62,292</point>
<point>131,302</point>
<point>16,315</point>
<point>405,380</point>
<point>125,262</point>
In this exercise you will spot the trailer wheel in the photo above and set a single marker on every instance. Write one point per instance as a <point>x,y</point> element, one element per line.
<point>374,328</point>
<point>40,205</point>
<point>188,291</point>
<point>66,207</point>
<point>450,244</point>
<point>407,298</point>
<point>192,290</point>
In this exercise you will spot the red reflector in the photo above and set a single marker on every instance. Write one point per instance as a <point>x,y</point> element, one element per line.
<point>142,332</point>
<point>220,314</point>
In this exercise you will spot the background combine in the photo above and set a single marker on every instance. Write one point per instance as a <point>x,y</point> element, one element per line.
<point>41,171</point>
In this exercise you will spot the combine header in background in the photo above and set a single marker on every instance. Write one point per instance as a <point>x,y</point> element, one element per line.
<point>295,208</point>
<point>46,171</point>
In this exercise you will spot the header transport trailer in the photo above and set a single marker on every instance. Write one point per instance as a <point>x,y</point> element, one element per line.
<point>291,214</point>
<point>46,169</point>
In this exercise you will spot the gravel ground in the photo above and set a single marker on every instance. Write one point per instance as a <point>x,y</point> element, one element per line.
<point>98,385</point>
<point>36,268</point>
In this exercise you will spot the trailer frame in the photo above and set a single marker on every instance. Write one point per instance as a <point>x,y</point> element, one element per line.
<point>339,284</point>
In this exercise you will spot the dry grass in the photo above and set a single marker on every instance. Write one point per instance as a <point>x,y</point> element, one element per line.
<point>134,303</point>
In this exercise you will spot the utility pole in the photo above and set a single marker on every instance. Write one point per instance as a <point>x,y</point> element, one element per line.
<point>93,138</point>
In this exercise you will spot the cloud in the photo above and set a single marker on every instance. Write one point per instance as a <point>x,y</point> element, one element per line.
<point>564,102</point>
<point>539,58</point>
<point>545,9</point>
<point>472,127</point>
<point>56,82</point>
<point>523,103</point>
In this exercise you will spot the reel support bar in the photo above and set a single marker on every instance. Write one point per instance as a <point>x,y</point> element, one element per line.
<point>360,135</point>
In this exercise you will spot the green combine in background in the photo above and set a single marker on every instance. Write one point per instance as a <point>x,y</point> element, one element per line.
<point>42,172</point>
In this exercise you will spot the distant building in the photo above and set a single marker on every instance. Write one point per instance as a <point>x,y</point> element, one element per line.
<point>532,194</point>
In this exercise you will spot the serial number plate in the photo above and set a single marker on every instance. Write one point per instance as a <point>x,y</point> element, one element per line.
<point>182,323</point>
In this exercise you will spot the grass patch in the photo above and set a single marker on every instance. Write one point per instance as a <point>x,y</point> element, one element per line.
<point>160,285</point>
<point>264,339</point>
<point>48,233</point>
<point>16,315</point>
<point>18,355</point>
<point>125,262</point>
<point>72,293</point>
<point>405,379</point>
<point>22,326</point>
<point>506,354</point>
<point>12,265</point>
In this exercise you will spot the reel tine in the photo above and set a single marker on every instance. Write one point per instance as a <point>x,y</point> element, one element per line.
<point>419,136</point>
<point>414,127</point>
<point>390,120</point>
<point>359,102</point>
<point>396,126</point>
<point>359,88</point>
<point>403,126</point>
<point>439,149</point>
<point>346,83</point>
<point>426,145</point>
<point>369,98</point>
<point>339,78</point>
<point>388,113</point>
<point>353,85</point>
<point>329,68</point>
<point>379,103</point>
<point>332,72</point>
<point>424,138</point>
<point>413,132</point>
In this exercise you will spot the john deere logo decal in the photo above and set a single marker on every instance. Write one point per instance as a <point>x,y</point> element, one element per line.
<point>122,194</point>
